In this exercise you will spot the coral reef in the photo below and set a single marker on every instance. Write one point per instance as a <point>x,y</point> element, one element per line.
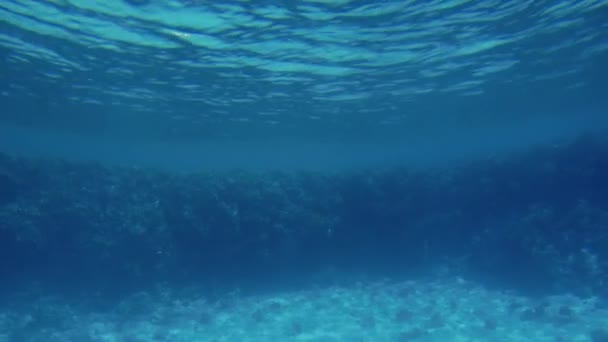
<point>538,217</point>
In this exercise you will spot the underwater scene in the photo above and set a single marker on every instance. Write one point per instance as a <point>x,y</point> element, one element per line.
<point>313,170</point>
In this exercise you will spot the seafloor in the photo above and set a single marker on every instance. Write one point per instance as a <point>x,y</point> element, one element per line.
<point>450,309</point>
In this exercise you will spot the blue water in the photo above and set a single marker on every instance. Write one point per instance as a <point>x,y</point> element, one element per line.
<point>314,152</point>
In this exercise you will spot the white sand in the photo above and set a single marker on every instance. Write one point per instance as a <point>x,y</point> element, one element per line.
<point>441,310</point>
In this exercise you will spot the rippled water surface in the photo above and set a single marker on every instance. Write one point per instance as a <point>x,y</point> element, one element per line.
<point>316,67</point>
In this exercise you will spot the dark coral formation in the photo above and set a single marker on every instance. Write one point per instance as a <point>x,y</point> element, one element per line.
<point>538,218</point>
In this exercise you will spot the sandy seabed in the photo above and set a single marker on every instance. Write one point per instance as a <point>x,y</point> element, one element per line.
<point>424,310</point>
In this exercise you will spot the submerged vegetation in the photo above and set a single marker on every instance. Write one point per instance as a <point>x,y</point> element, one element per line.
<point>537,218</point>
